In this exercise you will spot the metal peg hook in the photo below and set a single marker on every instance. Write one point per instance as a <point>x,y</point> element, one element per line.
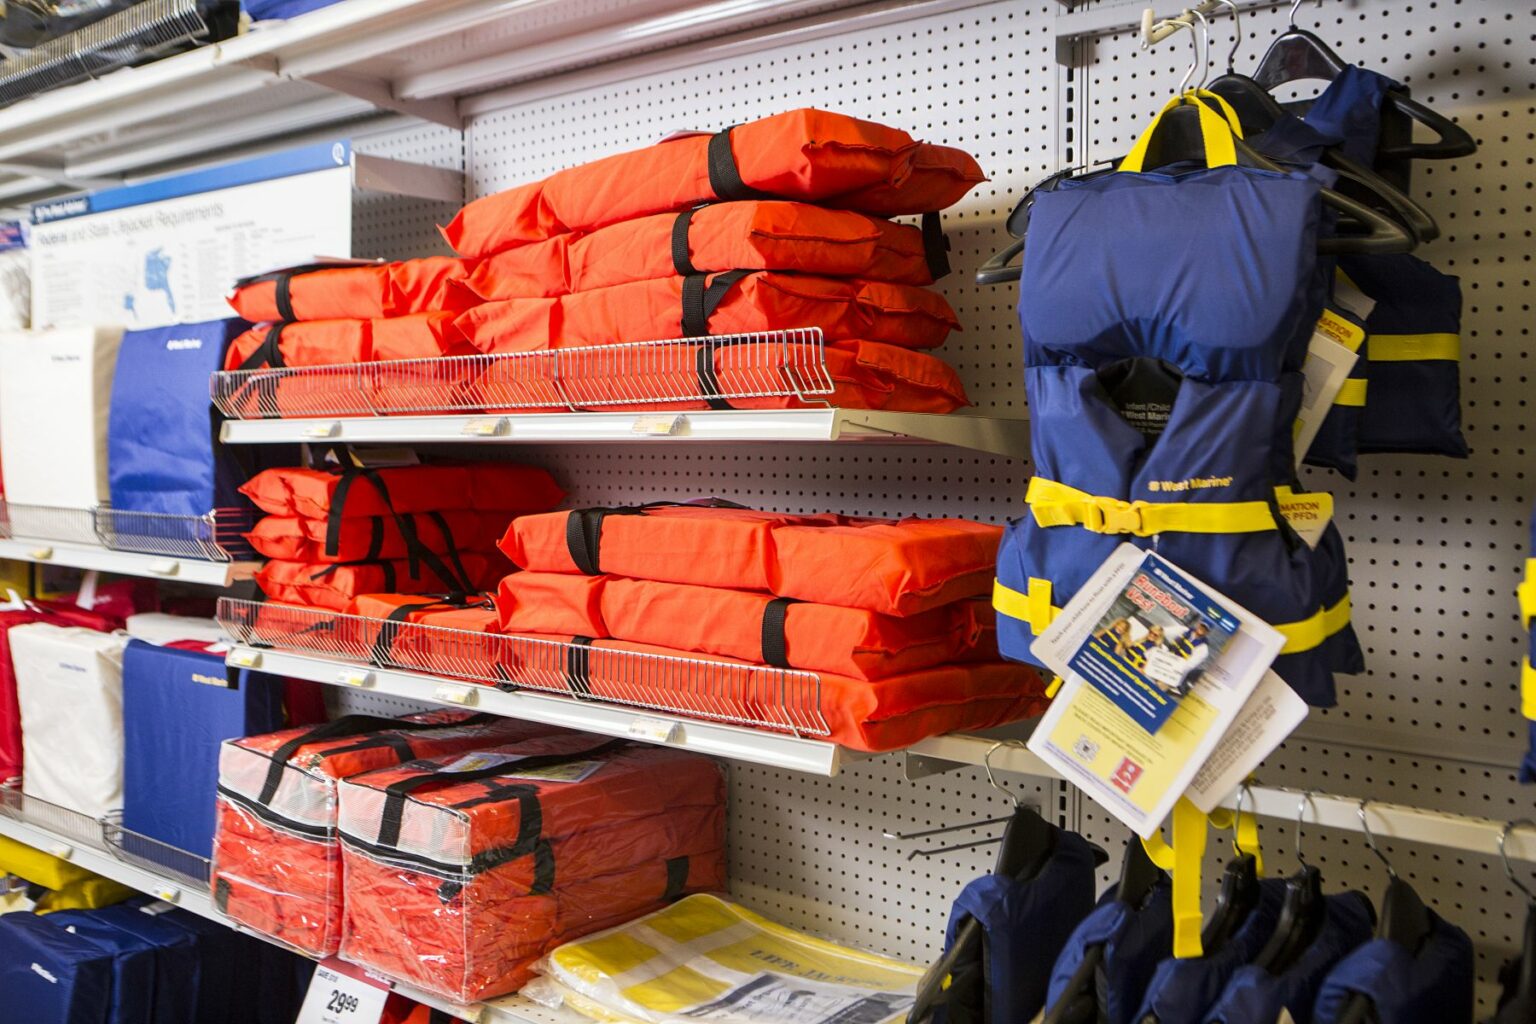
<point>1237,35</point>
<point>1301,817</point>
<point>1370,839</point>
<point>986,762</point>
<point>1509,870</point>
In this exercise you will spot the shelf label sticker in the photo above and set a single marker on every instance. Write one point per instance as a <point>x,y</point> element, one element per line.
<point>168,893</point>
<point>338,995</point>
<point>42,554</point>
<point>455,694</point>
<point>165,567</point>
<point>355,677</point>
<point>243,658</point>
<point>655,730</point>
<point>657,425</point>
<point>322,430</point>
<point>494,426</point>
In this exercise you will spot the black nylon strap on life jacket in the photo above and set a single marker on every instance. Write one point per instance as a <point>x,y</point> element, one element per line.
<point>269,353</point>
<point>677,878</point>
<point>709,384</point>
<point>396,792</point>
<point>774,647</point>
<point>385,638</point>
<point>584,535</point>
<point>724,176</point>
<point>416,553</point>
<point>578,664</point>
<point>543,869</point>
<point>221,895</point>
<point>935,245</point>
<point>450,549</point>
<point>384,565</point>
<point>283,291</point>
<point>375,537</point>
<point>349,725</point>
<point>702,295</point>
<point>681,261</point>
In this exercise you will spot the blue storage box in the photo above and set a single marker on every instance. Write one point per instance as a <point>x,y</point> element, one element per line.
<point>177,709</point>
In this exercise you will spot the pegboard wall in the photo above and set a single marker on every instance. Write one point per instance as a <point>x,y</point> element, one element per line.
<point>1435,545</point>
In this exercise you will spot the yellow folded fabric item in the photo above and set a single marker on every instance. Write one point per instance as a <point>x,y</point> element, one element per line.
<point>39,868</point>
<point>86,894</point>
<point>705,956</point>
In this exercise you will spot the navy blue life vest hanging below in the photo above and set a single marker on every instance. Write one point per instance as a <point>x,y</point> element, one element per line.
<point>1431,986</point>
<point>133,964</point>
<point>1527,600</point>
<point>162,447</point>
<point>47,974</point>
<point>178,969</point>
<point>1183,989</point>
<point>1134,940</point>
<point>1025,924</point>
<point>1163,392</point>
<point>1413,404</point>
<point>1254,994</point>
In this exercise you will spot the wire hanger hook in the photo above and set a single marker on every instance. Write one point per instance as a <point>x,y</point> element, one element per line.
<point>1301,819</point>
<point>1295,6</point>
<point>986,762</point>
<point>1370,839</point>
<point>1509,869</point>
<point>1194,64</point>
<point>1237,35</point>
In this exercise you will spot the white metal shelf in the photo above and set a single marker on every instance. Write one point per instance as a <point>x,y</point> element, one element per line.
<point>998,436</point>
<point>779,750</point>
<point>509,1010</point>
<point>127,563</point>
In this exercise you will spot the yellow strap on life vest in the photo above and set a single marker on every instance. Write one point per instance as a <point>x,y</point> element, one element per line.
<point>1410,348</point>
<point>1183,860</point>
<point>1034,608</point>
<point>1352,392</point>
<point>1245,834</point>
<point>1056,504</point>
<point>1218,127</point>
<point>1527,689</point>
<point>1526,593</point>
<point>1314,629</point>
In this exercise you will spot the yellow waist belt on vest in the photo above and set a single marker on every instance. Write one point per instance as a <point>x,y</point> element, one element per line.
<point>1526,593</point>
<point>1056,504</point>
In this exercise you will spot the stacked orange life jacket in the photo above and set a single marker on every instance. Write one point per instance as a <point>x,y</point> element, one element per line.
<point>421,529</point>
<point>885,612</point>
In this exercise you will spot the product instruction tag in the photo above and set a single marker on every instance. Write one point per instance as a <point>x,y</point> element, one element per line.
<point>1308,514</point>
<point>1327,368</point>
<point>1131,744</point>
<point>770,998</point>
<point>1269,715</point>
<point>337,995</point>
<point>570,771</point>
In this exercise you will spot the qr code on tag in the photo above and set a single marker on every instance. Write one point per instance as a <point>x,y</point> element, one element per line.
<point>1085,749</point>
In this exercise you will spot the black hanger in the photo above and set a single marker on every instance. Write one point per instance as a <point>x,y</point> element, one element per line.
<point>1235,900</point>
<point>1302,916</point>
<point>1079,1001</point>
<point>1517,1003</point>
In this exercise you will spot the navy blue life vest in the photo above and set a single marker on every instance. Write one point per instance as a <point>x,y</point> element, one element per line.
<point>1024,926</point>
<point>1527,603</point>
<point>1090,299</point>
<point>1350,110</point>
<point>177,963</point>
<point>1433,986</point>
<point>1182,990</point>
<point>1134,939</point>
<point>1254,995</point>
<point>133,964</point>
<point>47,974</point>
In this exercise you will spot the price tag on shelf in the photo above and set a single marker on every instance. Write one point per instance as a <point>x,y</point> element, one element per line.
<point>455,694</point>
<point>659,425</point>
<point>242,658</point>
<point>322,430</point>
<point>63,851</point>
<point>655,730</point>
<point>164,567</point>
<point>338,995</point>
<point>168,893</point>
<point>493,427</point>
<point>42,554</point>
<point>355,677</point>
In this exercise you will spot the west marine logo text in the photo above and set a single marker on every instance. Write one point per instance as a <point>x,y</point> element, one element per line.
<point>198,677</point>
<point>183,344</point>
<point>1194,483</point>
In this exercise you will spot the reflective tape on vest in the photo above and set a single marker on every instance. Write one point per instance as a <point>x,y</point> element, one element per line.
<point>1410,348</point>
<point>1352,392</point>
<point>1056,504</point>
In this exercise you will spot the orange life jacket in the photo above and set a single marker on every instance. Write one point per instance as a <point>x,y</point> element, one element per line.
<point>811,155</point>
<point>373,636</point>
<point>893,566</point>
<point>879,715</point>
<point>333,342</point>
<point>347,293</point>
<point>742,624</point>
<point>735,302</point>
<point>863,375</point>
<point>294,539</point>
<point>351,493</point>
<point>768,235</point>
<point>334,586</point>
<point>461,871</point>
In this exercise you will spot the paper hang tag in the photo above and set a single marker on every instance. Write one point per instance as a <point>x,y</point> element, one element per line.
<point>571,771</point>
<point>1268,716</point>
<point>1329,363</point>
<point>1348,297</point>
<point>1308,514</point>
<point>1341,329</point>
<point>341,995</point>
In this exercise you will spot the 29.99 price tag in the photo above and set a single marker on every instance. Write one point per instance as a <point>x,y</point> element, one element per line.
<point>337,996</point>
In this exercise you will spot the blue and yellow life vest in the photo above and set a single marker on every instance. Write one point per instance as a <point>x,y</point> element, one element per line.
<point>1527,599</point>
<point>1432,985</point>
<point>1200,473</point>
<point>1135,939</point>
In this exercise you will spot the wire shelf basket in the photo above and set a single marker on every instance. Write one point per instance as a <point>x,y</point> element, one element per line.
<point>152,855</point>
<point>772,368</point>
<point>64,822</point>
<point>216,536</point>
<point>759,696</point>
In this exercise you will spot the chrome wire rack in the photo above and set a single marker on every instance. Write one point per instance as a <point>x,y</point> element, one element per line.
<point>61,821</point>
<point>780,368</point>
<point>216,536</point>
<point>760,696</point>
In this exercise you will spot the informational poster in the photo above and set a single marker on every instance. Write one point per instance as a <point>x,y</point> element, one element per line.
<point>168,251</point>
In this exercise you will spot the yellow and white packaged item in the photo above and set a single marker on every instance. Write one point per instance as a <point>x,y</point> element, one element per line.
<point>705,961</point>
